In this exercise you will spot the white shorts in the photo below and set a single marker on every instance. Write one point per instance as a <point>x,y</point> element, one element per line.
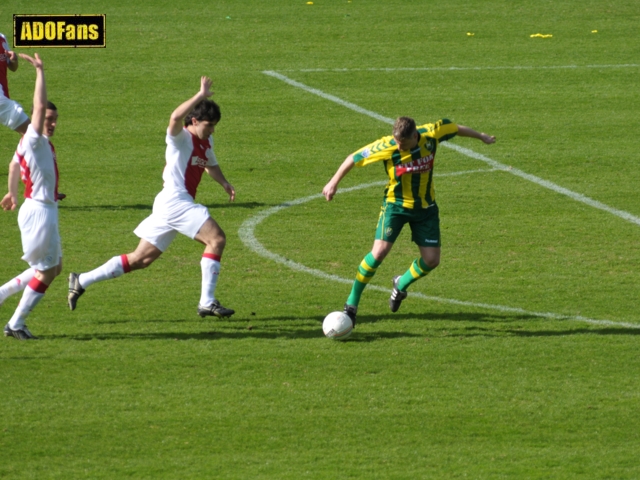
<point>40,236</point>
<point>11,113</point>
<point>173,213</point>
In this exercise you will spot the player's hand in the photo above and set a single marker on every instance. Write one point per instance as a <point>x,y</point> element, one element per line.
<point>9,202</point>
<point>230,190</point>
<point>13,56</point>
<point>488,139</point>
<point>329,191</point>
<point>36,62</point>
<point>61,196</point>
<point>205,87</point>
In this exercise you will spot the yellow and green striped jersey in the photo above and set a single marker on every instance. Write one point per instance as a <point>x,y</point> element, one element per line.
<point>410,172</point>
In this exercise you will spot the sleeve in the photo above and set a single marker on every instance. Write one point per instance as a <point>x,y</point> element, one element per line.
<point>374,152</point>
<point>212,161</point>
<point>442,130</point>
<point>177,141</point>
<point>32,137</point>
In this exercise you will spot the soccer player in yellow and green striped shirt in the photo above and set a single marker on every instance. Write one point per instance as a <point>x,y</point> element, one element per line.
<point>408,157</point>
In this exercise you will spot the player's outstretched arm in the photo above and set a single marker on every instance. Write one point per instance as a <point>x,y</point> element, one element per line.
<point>39,94</point>
<point>470,132</point>
<point>331,188</point>
<point>216,173</point>
<point>10,200</point>
<point>12,64</point>
<point>177,117</point>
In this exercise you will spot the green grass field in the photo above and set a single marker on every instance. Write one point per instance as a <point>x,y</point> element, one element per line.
<point>517,358</point>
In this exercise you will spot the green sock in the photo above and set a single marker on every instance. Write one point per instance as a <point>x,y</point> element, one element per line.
<point>417,270</point>
<point>366,271</point>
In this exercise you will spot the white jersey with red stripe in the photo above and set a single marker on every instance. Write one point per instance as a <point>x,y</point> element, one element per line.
<point>38,167</point>
<point>187,156</point>
<point>4,62</point>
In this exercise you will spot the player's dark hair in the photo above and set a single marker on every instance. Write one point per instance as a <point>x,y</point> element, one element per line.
<point>50,106</point>
<point>206,110</point>
<point>405,127</point>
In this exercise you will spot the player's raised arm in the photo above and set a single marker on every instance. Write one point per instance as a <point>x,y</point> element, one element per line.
<point>470,132</point>
<point>331,188</point>
<point>179,114</point>
<point>39,94</point>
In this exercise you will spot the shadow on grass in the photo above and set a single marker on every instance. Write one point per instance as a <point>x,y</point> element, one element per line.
<point>245,333</point>
<point>292,327</point>
<point>139,206</point>
<point>362,319</point>
<point>449,317</point>
<point>576,331</point>
<point>249,205</point>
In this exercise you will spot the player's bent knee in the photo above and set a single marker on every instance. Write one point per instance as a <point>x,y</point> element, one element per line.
<point>218,241</point>
<point>432,263</point>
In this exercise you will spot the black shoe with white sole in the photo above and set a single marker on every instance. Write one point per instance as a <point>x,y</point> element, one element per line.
<point>19,334</point>
<point>397,296</point>
<point>75,290</point>
<point>351,312</point>
<point>215,310</point>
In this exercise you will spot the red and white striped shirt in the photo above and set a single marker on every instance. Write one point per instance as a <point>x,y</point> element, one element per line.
<point>38,167</point>
<point>187,156</point>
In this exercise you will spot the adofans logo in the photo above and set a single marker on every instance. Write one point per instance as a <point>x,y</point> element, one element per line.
<point>59,31</point>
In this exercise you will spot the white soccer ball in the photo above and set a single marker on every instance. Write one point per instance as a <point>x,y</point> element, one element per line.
<point>337,325</point>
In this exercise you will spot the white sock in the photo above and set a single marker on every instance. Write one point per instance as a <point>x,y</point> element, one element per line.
<point>32,295</point>
<point>16,284</point>
<point>210,271</point>
<point>112,269</point>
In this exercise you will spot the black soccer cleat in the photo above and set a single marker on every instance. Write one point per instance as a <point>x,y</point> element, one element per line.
<point>351,312</point>
<point>397,296</point>
<point>19,334</point>
<point>215,310</point>
<point>75,290</point>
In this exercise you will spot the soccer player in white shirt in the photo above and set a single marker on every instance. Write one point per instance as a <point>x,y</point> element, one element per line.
<point>11,113</point>
<point>189,153</point>
<point>35,161</point>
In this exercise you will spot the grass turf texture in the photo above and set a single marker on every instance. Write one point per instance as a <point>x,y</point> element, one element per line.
<point>134,384</point>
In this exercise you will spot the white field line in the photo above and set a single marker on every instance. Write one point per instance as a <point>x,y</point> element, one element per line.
<point>247,235</point>
<point>467,152</point>
<point>455,69</point>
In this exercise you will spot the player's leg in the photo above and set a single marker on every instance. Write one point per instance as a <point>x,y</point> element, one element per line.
<point>42,250</point>
<point>143,256</point>
<point>390,223</point>
<point>16,284</point>
<point>155,237</point>
<point>32,295</point>
<point>366,270</point>
<point>425,230</point>
<point>214,239</point>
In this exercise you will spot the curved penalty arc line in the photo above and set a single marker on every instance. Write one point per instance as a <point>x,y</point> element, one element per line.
<point>246,233</point>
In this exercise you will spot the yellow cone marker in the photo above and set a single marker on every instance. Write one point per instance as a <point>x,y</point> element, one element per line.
<point>469,34</point>
<point>594,31</point>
